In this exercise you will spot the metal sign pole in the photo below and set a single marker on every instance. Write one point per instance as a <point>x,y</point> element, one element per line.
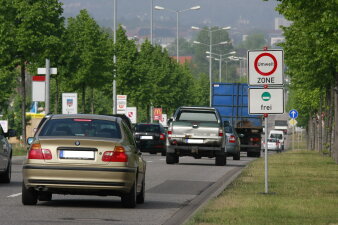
<point>266,154</point>
<point>47,86</point>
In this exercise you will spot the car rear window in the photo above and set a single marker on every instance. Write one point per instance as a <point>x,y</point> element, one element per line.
<point>81,127</point>
<point>197,116</point>
<point>147,128</point>
<point>228,129</point>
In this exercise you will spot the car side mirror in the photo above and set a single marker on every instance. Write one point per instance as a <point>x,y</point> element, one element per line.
<point>30,140</point>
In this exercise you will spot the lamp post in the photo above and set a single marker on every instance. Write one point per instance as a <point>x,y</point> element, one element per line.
<point>114,59</point>
<point>210,50</point>
<point>151,20</point>
<point>177,22</point>
<point>221,57</point>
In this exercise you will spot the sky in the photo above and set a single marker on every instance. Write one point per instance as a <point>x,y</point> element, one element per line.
<point>254,14</point>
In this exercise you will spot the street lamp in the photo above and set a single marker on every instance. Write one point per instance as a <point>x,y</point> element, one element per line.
<point>177,21</point>
<point>114,59</point>
<point>221,57</point>
<point>151,20</point>
<point>210,50</point>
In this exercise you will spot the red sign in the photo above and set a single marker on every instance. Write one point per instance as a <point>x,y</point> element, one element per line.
<point>157,113</point>
<point>271,64</point>
<point>38,78</point>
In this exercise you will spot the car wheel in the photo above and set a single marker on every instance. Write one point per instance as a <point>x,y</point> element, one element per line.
<point>237,156</point>
<point>141,196</point>
<point>129,199</point>
<point>6,176</point>
<point>171,158</point>
<point>45,196</point>
<point>29,195</point>
<point>220,160</point>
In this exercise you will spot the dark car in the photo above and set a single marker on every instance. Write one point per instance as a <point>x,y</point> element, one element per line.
<point>150,137</point>
<point>5,156</point>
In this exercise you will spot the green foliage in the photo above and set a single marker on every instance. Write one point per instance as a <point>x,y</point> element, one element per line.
<point>83,53</point>
<point>86,62</point>
<point>311,50</point>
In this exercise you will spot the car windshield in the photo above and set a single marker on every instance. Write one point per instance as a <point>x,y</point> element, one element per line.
<point>81,127</point>
<point>147,128</point>
<point>272,140</point>
<point>197,116</point>
<point>278,136</point>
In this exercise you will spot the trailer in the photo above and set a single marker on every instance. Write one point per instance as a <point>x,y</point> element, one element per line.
<point>231,100</point>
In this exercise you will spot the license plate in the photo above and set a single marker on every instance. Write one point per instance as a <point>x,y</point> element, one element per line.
<point>146,137</point>
<point>69,154</point>
<point>194,141</point>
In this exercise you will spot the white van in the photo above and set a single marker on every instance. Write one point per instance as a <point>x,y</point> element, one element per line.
<point>279,134</point>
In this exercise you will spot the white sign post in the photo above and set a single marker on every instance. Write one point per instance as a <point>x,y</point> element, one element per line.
<point>265,68</point>
<point>131,113</point>
<point>69,103</point>
<point>47,71</point>
<point>163,120</point>
<point>266,100</point>
<point>121,104</point>
<point>4,125</point>
<point>38,89</point>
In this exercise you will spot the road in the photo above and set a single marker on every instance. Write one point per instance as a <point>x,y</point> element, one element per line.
<point>173,192</point>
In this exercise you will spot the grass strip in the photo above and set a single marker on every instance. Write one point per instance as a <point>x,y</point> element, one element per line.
<point>303,189</point>
<point>19,150</point>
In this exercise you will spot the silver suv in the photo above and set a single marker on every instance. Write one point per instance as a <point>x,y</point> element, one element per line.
<point>197,132</point>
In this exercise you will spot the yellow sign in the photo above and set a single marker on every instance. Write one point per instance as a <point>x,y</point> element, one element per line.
<point>35,115</point>
<point>293,122</point>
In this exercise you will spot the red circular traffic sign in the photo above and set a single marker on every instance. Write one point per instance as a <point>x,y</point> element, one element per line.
<point>274,64</point>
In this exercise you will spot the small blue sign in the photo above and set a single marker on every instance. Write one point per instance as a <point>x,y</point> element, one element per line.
<point>293,114</point>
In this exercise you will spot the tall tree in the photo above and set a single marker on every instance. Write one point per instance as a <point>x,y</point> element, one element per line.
<point>311,50</point>
<point>30,31</point>
<point>87,59</point>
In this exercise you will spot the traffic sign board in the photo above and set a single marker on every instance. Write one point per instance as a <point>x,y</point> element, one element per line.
<point>293,122</point>
<point>265,67</point>
<point>267,100</point>
<point>293,114</point>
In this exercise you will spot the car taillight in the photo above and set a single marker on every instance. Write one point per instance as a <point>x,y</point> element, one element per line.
<point>162,137</point>
<point>36,152</point>
<point>220,133</point>
<point>232,139</point>
<point>118,155</point>
<point>169,134</point>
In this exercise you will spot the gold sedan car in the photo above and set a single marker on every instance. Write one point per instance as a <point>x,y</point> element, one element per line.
<point>83,154</point>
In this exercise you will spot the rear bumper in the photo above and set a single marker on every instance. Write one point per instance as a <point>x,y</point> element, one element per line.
<point>72,179</point>
<point>231,149</point>
<point>250,148</point>
<point>193,150</point>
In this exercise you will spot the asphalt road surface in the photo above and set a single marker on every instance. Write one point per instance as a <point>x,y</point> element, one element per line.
<point>173,193</point>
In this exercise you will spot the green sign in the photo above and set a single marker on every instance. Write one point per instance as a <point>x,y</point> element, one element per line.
<point>266,96</point>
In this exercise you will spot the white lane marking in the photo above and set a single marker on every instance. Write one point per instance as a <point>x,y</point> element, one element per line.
<point>14,195</point>
<point>149,161</point>
<point>162,159</point>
